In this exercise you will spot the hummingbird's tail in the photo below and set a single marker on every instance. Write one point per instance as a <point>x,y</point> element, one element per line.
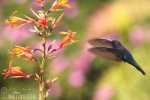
<point>140,69</point>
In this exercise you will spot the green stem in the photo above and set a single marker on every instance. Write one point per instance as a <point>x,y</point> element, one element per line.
<point>41,93</point>
<point>43,64</point>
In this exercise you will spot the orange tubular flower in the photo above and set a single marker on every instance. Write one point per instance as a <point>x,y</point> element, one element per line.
<point>41,2</point>
<point>59,3</point>
<point>42,20</point>
<point>54,24</point>
<point>14,72</point>
<point>67,40</point>
<point>16,20</point>
<point>21,51</point>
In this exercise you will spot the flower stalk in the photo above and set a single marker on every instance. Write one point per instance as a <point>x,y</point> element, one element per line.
<point>43,30</point>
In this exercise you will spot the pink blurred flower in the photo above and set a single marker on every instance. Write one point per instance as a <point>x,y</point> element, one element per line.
<point>59,64</point>
<point>34,5</point>
<point>71,13</point>
<point>112,36</point>
<point>76,79</point>
<point>106,92</point>
<point>55,90</point>
<point>136,36</point>
<point>81,65</point>
<point>82,62</point>
<point>17,35</point>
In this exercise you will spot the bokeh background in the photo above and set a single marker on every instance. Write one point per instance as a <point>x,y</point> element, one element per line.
<point>82,76</point>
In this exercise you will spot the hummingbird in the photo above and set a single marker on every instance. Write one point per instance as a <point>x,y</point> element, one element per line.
<point>113,50</point>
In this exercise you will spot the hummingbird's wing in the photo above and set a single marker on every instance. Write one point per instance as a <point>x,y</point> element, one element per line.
<point>99,42</point>
<point>107,53</point>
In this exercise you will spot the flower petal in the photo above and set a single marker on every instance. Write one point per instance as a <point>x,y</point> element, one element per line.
<point>56,23</point>
<point>41,2</point>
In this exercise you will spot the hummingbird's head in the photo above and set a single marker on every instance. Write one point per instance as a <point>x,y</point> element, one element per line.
<point>116,44</point>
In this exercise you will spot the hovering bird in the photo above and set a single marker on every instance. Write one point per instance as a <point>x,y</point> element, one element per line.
<point>113,50</point>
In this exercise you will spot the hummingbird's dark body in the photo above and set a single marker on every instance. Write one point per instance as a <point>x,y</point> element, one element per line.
<point>113,50</point>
